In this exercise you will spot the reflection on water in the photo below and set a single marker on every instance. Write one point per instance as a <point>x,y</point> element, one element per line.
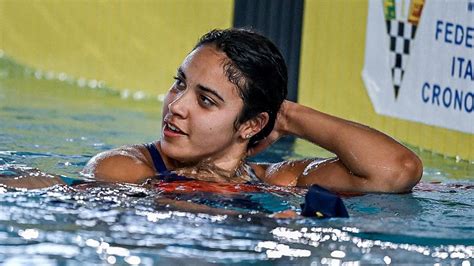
<point>53,123</point>
<point>96,222</point>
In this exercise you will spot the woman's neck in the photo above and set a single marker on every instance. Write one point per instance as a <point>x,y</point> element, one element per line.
<point>230,162</point>
<point>224,168</point>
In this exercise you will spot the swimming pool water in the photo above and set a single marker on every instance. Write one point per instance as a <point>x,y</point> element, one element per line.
<point>56,123</point>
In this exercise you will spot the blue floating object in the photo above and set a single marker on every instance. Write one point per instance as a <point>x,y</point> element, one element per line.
<point>322,203</point>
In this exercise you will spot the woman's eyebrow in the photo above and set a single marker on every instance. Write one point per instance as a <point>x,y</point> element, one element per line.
<point>201,87</point>
<point>211,91</point>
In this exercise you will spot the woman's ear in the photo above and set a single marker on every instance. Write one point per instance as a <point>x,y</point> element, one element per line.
<point>254,125</point>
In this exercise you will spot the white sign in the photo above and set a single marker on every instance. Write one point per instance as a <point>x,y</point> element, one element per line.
<point>419,61</point>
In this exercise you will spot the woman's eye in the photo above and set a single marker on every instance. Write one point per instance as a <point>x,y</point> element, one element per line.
<point>179,82</point>
<point>206,101</point>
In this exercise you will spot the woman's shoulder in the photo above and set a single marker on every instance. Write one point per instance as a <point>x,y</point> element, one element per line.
<point>129,163</point>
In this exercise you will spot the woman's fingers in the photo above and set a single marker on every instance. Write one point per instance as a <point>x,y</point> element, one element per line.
<point>281,125</point>
<point>263,144</point>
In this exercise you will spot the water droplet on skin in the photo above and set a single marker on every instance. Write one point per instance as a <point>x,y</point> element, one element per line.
<point>316,163</point>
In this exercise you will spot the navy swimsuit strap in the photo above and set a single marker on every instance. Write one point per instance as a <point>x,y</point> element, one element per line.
<point>156,157</point>
<point>160,166</point>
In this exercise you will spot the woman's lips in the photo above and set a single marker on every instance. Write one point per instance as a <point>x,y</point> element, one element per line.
<point>171,130</point>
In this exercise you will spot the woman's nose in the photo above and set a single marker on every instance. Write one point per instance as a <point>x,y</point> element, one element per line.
<point>178,105</point>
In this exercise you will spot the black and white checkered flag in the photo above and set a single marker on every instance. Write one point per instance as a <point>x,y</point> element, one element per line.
<point>401,34</point>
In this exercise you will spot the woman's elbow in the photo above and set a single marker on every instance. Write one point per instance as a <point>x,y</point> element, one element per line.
<point>408,174</point>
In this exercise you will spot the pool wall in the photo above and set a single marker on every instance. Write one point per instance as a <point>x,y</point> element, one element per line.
<point>134,45</point>
<point>137,45</point>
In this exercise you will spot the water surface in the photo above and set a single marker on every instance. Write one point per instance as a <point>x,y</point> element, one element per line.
<point>55,123</point>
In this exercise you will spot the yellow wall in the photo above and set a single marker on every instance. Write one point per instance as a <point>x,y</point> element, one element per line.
<point>129,44</point>
<point>332,59</point>
<point>139,44</point>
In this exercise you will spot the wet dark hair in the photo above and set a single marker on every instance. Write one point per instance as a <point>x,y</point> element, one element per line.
<point>257,68</point>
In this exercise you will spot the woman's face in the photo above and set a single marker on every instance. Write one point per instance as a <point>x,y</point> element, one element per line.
<point>200,109</point>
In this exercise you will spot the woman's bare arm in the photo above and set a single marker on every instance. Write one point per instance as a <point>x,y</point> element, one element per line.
<point>367,160</point>
<point>30,179</point>
<point>125,164</point>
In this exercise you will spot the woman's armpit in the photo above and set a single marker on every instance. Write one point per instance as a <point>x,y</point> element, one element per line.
<point>284,173</point>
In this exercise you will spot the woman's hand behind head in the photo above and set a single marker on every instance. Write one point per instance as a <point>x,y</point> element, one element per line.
<point>279,130</point>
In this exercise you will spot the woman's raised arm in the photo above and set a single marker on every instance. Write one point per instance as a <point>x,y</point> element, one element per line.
<point>367,160</point>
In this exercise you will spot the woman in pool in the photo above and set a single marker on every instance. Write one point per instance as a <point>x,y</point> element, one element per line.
<point>228,102</point>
